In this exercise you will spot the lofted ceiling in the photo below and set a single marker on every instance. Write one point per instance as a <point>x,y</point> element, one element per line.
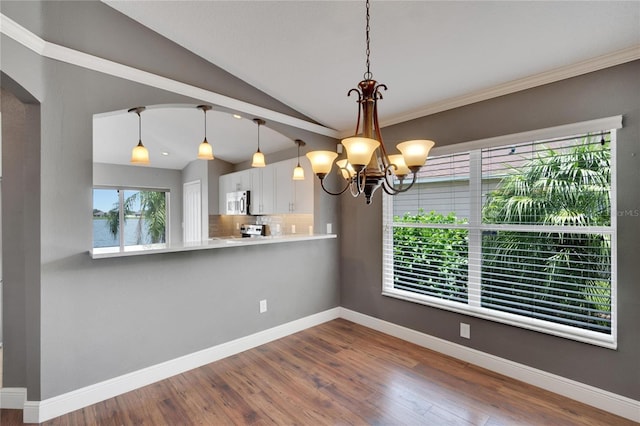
<point>308,54</point>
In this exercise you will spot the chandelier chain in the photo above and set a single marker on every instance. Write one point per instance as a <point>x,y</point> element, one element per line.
<point>368,75</point>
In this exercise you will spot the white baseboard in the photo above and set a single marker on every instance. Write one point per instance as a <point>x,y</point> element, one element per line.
<point>608,401</point>
<point>40,411</point>
<point>13,398</point>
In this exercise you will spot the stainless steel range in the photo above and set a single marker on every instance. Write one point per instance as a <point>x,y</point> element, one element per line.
<point>248,231</point>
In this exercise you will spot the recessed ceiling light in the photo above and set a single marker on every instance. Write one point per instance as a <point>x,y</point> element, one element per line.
<point>238,116</point>
<point>165,153</point>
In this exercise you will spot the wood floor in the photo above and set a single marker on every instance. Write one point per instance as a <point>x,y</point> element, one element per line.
<point>338,373</point>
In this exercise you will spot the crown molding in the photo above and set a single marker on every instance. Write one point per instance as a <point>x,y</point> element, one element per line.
<point>590,65</point>
<point>74,57</point>
<point>12,29</point>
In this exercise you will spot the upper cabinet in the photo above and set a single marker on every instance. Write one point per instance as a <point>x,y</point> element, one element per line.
<point>273,191</point>
<point>262,187</point>
<point>293,196</point>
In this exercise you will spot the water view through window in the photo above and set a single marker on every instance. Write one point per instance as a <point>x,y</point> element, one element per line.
<point>143,214</point>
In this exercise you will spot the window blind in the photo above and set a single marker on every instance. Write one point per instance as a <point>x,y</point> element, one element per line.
<point>521,233</point>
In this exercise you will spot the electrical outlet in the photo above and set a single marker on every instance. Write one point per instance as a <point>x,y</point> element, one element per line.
<point>293,229</point>
<point>263,306</point>
<point>465,330</point>
<point>329,228</point>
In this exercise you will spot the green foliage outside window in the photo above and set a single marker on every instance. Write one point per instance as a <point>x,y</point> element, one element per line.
<point>431,261</point>
<point>558,276</point>
<point>570,271</point>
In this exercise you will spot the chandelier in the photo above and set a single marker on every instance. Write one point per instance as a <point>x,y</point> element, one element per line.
<point>368,166</point>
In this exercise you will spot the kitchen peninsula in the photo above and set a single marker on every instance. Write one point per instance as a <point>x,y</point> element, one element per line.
<point>211,243</point>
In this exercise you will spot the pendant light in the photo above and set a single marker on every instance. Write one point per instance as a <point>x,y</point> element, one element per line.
<point>367,166</point>
<point>205,150</point>
<point>298,172</point>
<point>139,154</point>
<point>258,157</point>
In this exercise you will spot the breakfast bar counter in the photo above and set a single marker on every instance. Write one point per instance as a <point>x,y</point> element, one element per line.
<point>211,243</point>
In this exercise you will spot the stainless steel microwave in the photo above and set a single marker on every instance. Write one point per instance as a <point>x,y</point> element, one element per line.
<point>238,202</point>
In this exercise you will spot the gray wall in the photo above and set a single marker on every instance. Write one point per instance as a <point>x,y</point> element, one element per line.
<point>21,237</point>
<point>98,319</point>
<point>114,175</point>
<point>600,94</point>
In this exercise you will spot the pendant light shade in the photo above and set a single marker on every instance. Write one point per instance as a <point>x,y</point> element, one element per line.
<point>415,152</point>
<point>359,150</point>
<point>258,157</point>
<point>298,172</point>
<point>205,150</point>
<point>321,161</point>
<point>139,154</point>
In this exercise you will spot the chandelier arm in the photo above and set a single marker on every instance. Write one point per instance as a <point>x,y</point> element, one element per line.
<point>354,188</point>
<point>359,101</point>
<point>387,173</point>
<point>333,193</point>
<point>402,188</point>
<point>361,180</point>
<point>388,190</point>
<point>385,158</point>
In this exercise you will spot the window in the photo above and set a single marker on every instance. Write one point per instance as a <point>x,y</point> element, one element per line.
<point>143,214</point>
<point>521,232</point>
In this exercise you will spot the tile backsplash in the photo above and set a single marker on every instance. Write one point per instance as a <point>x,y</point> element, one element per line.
<point>286,224</point>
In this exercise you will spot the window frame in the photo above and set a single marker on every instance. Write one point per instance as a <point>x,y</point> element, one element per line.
<point>122,247</point>
<point>475,227</point>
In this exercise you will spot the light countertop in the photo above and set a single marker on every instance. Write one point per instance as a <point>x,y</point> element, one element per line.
<point>211,243</point>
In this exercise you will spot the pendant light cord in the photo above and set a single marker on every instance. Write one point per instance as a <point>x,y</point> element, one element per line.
<point>139,127</point>
<point>205,123</point>
<point>258,136</point>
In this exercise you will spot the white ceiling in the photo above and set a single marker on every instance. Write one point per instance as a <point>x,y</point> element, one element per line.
<point>308,54</point>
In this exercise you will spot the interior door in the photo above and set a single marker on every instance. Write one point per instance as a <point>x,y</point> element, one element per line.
<point>192,212</point>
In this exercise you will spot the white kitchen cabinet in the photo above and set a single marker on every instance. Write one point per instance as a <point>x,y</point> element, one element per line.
<point>273,191</point>
<point>262,196</point>
<point>303,189</point>
<point>224,186</point>
<point>231,182</point>
<point>293,196</point>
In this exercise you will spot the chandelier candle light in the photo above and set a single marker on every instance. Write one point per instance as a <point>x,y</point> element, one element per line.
<point>367,165</point>
<point>205,150</point>
<point>139,154</point>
